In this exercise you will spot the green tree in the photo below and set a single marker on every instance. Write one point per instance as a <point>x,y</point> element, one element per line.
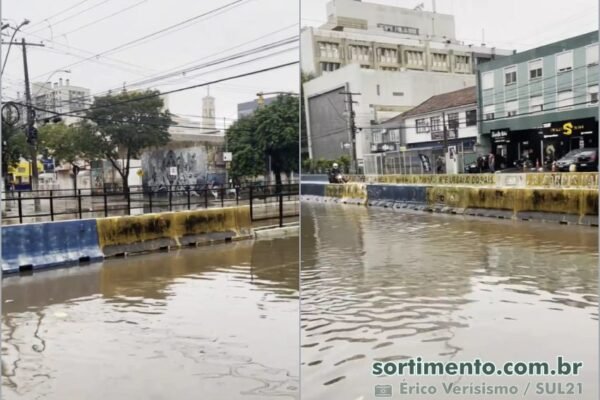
<point>69,144</point>
<point>243,144</point>
<point>278,135</point>
<point>126,124</point>
<point>271,131</point>
<point>14,146</point>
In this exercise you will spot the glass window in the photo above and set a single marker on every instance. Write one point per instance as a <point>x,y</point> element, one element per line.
<point>510,75</point>
<point>453,121</point>
<point>565,99</point>
<point>471,117</point>
<point>592,95</point>
<point>422,125</point>
<point>535,69</point>
<point>436,126</point>
<point>536,103</point>
<point>488,112</point>
<point>564,61</point>
<point>511,108</point>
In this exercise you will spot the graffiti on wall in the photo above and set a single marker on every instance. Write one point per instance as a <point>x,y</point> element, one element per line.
<point>192,166</point>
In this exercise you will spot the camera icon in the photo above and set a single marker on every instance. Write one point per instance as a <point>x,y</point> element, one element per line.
<point>383,390</point>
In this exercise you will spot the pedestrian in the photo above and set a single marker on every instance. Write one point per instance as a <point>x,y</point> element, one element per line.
<point>492,162</point>
<point>439,165</point>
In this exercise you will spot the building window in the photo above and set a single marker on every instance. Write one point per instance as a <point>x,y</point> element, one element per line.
<point>592,95</point>
<point>453,121</point>
<point>535,69</point>
<point>422,125</point>
<point>364,66</point>
<point>471,117</point>
<point>510,75</point>
<point>511,108</point>
<point>565,99</point>
<point>461,63</point>
<point>536,104</point>
<point>329,66</point>
<point>439,60</point>
<point>414,57</point>
<point>359,52</point>
<point>487,80</point>
<point>436,126</point>
<point>398,29</point>
<point>591,55</point>
<point>389,68</point>
<point>329,50</point>
<point>488,112</point>
<point>387,55</point>
<point>397,94</point>
<point>564,61</point>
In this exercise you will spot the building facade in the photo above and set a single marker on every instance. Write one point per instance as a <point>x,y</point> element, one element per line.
<point>542,103</point>
<point>59,97</point>
<point>394,57</point>
<point>448,120</point>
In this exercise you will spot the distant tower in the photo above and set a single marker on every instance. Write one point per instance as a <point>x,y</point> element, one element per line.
<point>208,111</point>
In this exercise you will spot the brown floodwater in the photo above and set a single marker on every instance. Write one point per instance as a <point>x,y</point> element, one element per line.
<point>390,285</point>
<point>217,322</point>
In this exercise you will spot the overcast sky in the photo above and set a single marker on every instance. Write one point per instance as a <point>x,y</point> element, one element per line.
<point>254,22</point>
<point>508,24</point>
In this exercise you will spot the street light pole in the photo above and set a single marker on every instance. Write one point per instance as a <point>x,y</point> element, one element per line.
<point>25,22</point>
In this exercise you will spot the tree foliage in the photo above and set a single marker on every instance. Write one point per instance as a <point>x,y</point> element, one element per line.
<point>271,131</point>
<point>126,124</point>
<point>14,146</point>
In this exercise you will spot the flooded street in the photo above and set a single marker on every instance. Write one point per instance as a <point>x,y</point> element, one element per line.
<point>389,285</point>
<point>217,322</point>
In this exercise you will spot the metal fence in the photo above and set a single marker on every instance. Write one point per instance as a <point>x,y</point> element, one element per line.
<point>52,205</point>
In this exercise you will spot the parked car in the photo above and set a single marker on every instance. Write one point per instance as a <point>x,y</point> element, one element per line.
<point>585,159</point>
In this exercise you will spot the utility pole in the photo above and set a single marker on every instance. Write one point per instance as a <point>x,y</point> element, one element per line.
<point>352,128</point>
<point>31,131</point>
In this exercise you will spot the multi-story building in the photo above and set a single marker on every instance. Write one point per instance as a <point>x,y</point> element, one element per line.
<point>394,57</point>
<point>247,108</point>
<point>59,98</point>
<point>445,121</point>
<point>541,103</point>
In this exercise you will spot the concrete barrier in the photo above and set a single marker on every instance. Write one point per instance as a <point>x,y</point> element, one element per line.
<point>49,244</point>
<point>354,193</point>
<point>312,189</point>
<point>397,194</point>
<point>131,234</point>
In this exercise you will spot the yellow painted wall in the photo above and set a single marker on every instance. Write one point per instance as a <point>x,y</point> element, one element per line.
<point>172,225</point>
<point>350,190</point>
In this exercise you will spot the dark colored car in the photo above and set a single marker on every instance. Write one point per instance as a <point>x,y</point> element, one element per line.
<point>585,159</point>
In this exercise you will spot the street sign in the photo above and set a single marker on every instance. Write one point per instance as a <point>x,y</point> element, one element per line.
<point>227,156</point>
<point>173,171</point>
<point>10,113</point>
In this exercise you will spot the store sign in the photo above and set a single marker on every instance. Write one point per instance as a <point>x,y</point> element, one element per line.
<point>570,128</point>
<point>500,135</point>
<point>381,147</point>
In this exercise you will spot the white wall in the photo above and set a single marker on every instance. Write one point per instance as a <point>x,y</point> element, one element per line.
<point>463,131</point>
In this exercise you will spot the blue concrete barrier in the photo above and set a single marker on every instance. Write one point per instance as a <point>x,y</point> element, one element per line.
<point>313,189</point>
<point>314,178</point>
<point>395,193</point>
<point>49,244</point>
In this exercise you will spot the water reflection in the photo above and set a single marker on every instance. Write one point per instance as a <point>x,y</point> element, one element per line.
<point>215,321</point>
<point>390,285</point>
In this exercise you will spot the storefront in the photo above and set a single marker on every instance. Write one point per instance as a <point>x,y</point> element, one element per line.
<point>545,144</point>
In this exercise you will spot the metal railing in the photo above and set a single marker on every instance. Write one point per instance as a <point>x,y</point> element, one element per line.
<point>61,204</point>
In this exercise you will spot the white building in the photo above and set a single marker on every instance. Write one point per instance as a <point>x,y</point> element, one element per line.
<point>59,97</point>
<point>394,57</point>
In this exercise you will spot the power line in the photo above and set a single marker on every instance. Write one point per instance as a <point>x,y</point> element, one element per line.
<point>120,11</point>
<point>73,16</point>
<point>60,13</point>
<point>195,18</point>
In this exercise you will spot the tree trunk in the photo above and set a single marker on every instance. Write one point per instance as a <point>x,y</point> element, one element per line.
<point>277,173</point>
